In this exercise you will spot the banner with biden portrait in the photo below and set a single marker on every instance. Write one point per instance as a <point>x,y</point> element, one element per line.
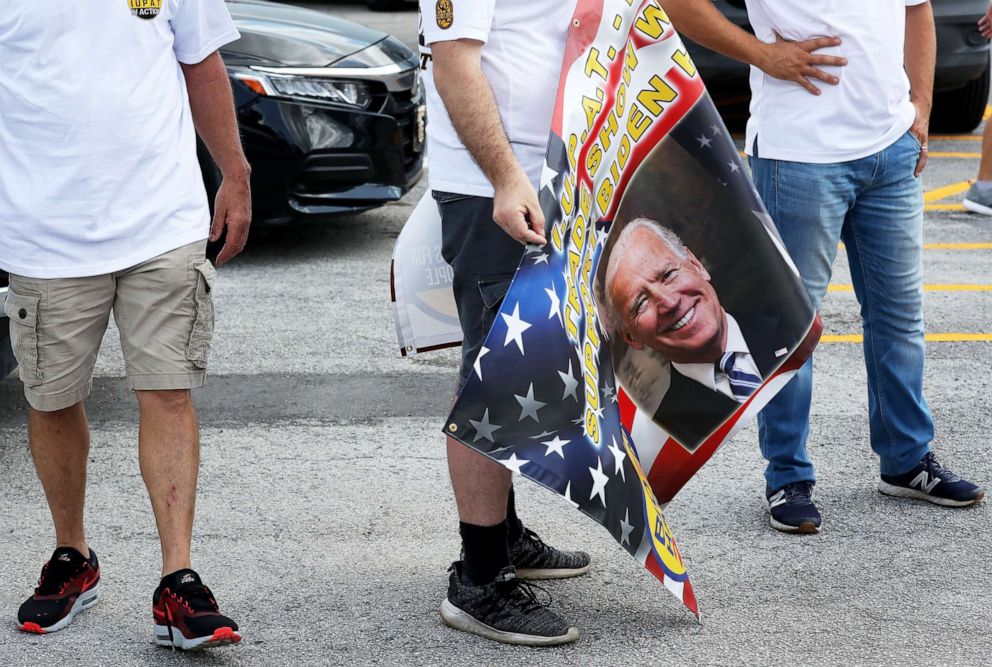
<point>662,313</point>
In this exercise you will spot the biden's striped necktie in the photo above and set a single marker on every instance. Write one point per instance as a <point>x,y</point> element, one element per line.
<point>742,383</point>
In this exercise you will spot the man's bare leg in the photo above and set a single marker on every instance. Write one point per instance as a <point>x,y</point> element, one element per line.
<point>60,445</point>
<point>978,199</point>
<point>481,485</point>
<point>169,454</point>
<point>985,165</point>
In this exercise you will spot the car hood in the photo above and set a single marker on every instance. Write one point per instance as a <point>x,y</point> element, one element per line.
<point>282,35</point>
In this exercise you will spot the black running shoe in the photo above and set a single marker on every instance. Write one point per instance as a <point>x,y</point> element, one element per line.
<point>506,610</point>
<point>186,614</point>
<point>533,559</point>
<point>792,509</point>
<point>69,584</point>
<point>930,481</point>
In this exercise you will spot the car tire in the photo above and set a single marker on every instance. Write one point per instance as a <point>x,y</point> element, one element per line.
<point>961,110</point>
<point>212,179</point>
<point>211,173</point>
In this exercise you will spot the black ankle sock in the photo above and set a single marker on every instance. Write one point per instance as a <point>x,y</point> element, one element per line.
<point>514,526</point>
<point>485,550</point>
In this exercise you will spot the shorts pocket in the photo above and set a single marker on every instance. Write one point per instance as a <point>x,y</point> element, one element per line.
<point>23,314</point>
<point>492,290</point>
<point>442,197</point>
<point>202,331</point>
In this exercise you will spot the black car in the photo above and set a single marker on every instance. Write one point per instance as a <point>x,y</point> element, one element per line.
<point>961,83</point>
<point>7,362</point>
<point>391,5</point>
<point>331,112</point>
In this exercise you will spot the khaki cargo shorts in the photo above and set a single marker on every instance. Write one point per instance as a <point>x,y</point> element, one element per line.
<point>162,307</point>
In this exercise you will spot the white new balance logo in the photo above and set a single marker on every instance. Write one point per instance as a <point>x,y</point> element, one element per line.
<point>777,499</point>
<point>924,482</point>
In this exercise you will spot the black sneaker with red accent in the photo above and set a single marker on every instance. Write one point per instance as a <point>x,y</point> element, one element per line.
<point>69,583</point>
<point>186,614</point>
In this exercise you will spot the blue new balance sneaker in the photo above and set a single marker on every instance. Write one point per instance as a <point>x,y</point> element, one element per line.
<point>792,509</point>
<point>931,482</point>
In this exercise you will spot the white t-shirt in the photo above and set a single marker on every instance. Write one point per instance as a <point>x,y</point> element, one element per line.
<point>98,168</point>
<point>524,47</point>
<point>866,112</point>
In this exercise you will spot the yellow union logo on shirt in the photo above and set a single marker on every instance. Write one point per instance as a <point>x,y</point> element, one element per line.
<point>445,14</point>
<point>145,9</point>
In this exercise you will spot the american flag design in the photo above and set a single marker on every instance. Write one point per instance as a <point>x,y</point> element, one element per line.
<point>543,399</point>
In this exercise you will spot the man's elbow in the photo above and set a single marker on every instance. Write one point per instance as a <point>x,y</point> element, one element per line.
<point>211,63</point>
<point>455,62</point>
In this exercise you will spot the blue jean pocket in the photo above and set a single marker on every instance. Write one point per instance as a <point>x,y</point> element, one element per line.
<point>916,141</point>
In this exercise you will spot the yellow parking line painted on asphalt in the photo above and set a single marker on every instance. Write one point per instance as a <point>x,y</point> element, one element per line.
<point>955,137</point>
<point>943,207</point>
<point>959,338</point>
<point>930,338</point>
<point>957,246</point>
<point>926,288</point>
<point>842,338</point>
<point>953,154</point>
<point>946,191</point>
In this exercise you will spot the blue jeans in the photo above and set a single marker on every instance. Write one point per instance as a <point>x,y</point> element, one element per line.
<point>875,205</point>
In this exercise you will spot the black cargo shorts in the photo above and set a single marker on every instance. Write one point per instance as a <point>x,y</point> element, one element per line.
<point>484,259</point>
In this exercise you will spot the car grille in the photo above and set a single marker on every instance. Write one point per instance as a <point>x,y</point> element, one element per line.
<point>402,106</point>
<point>331,172</point>
<point>405,111</point>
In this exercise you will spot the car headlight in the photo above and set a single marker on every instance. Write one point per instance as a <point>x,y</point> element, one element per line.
<point>351,93</point>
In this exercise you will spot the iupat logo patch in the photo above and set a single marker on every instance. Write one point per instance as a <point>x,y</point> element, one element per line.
<point>145,9</point>
<point>444,13</point>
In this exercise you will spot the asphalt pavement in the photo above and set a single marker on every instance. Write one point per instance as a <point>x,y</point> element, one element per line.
<point>325,521</point>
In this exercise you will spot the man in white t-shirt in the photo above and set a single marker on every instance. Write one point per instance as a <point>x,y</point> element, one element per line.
<point>491,69</point>
<point>836,163</point>
<point>103,209</point>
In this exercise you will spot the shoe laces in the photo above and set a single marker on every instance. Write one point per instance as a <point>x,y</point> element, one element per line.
<point>525,595</point>
<point>197,597</point>
<point>55,576</point>
<point>800,493</point>
<point>932,465</point>
<point>535,541</point>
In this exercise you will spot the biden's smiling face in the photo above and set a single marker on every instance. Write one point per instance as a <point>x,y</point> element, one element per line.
<point>666,302</point>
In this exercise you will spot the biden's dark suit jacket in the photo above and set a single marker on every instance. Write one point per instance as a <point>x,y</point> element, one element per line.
<point>689,411</point>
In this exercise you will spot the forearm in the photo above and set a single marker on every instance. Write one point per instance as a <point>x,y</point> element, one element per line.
<point>471,106</point>
<point>920,54</point>
<point>212,103</point>
<point>702,22</point>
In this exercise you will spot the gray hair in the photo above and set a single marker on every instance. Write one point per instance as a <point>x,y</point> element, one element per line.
<point>607,311</point>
